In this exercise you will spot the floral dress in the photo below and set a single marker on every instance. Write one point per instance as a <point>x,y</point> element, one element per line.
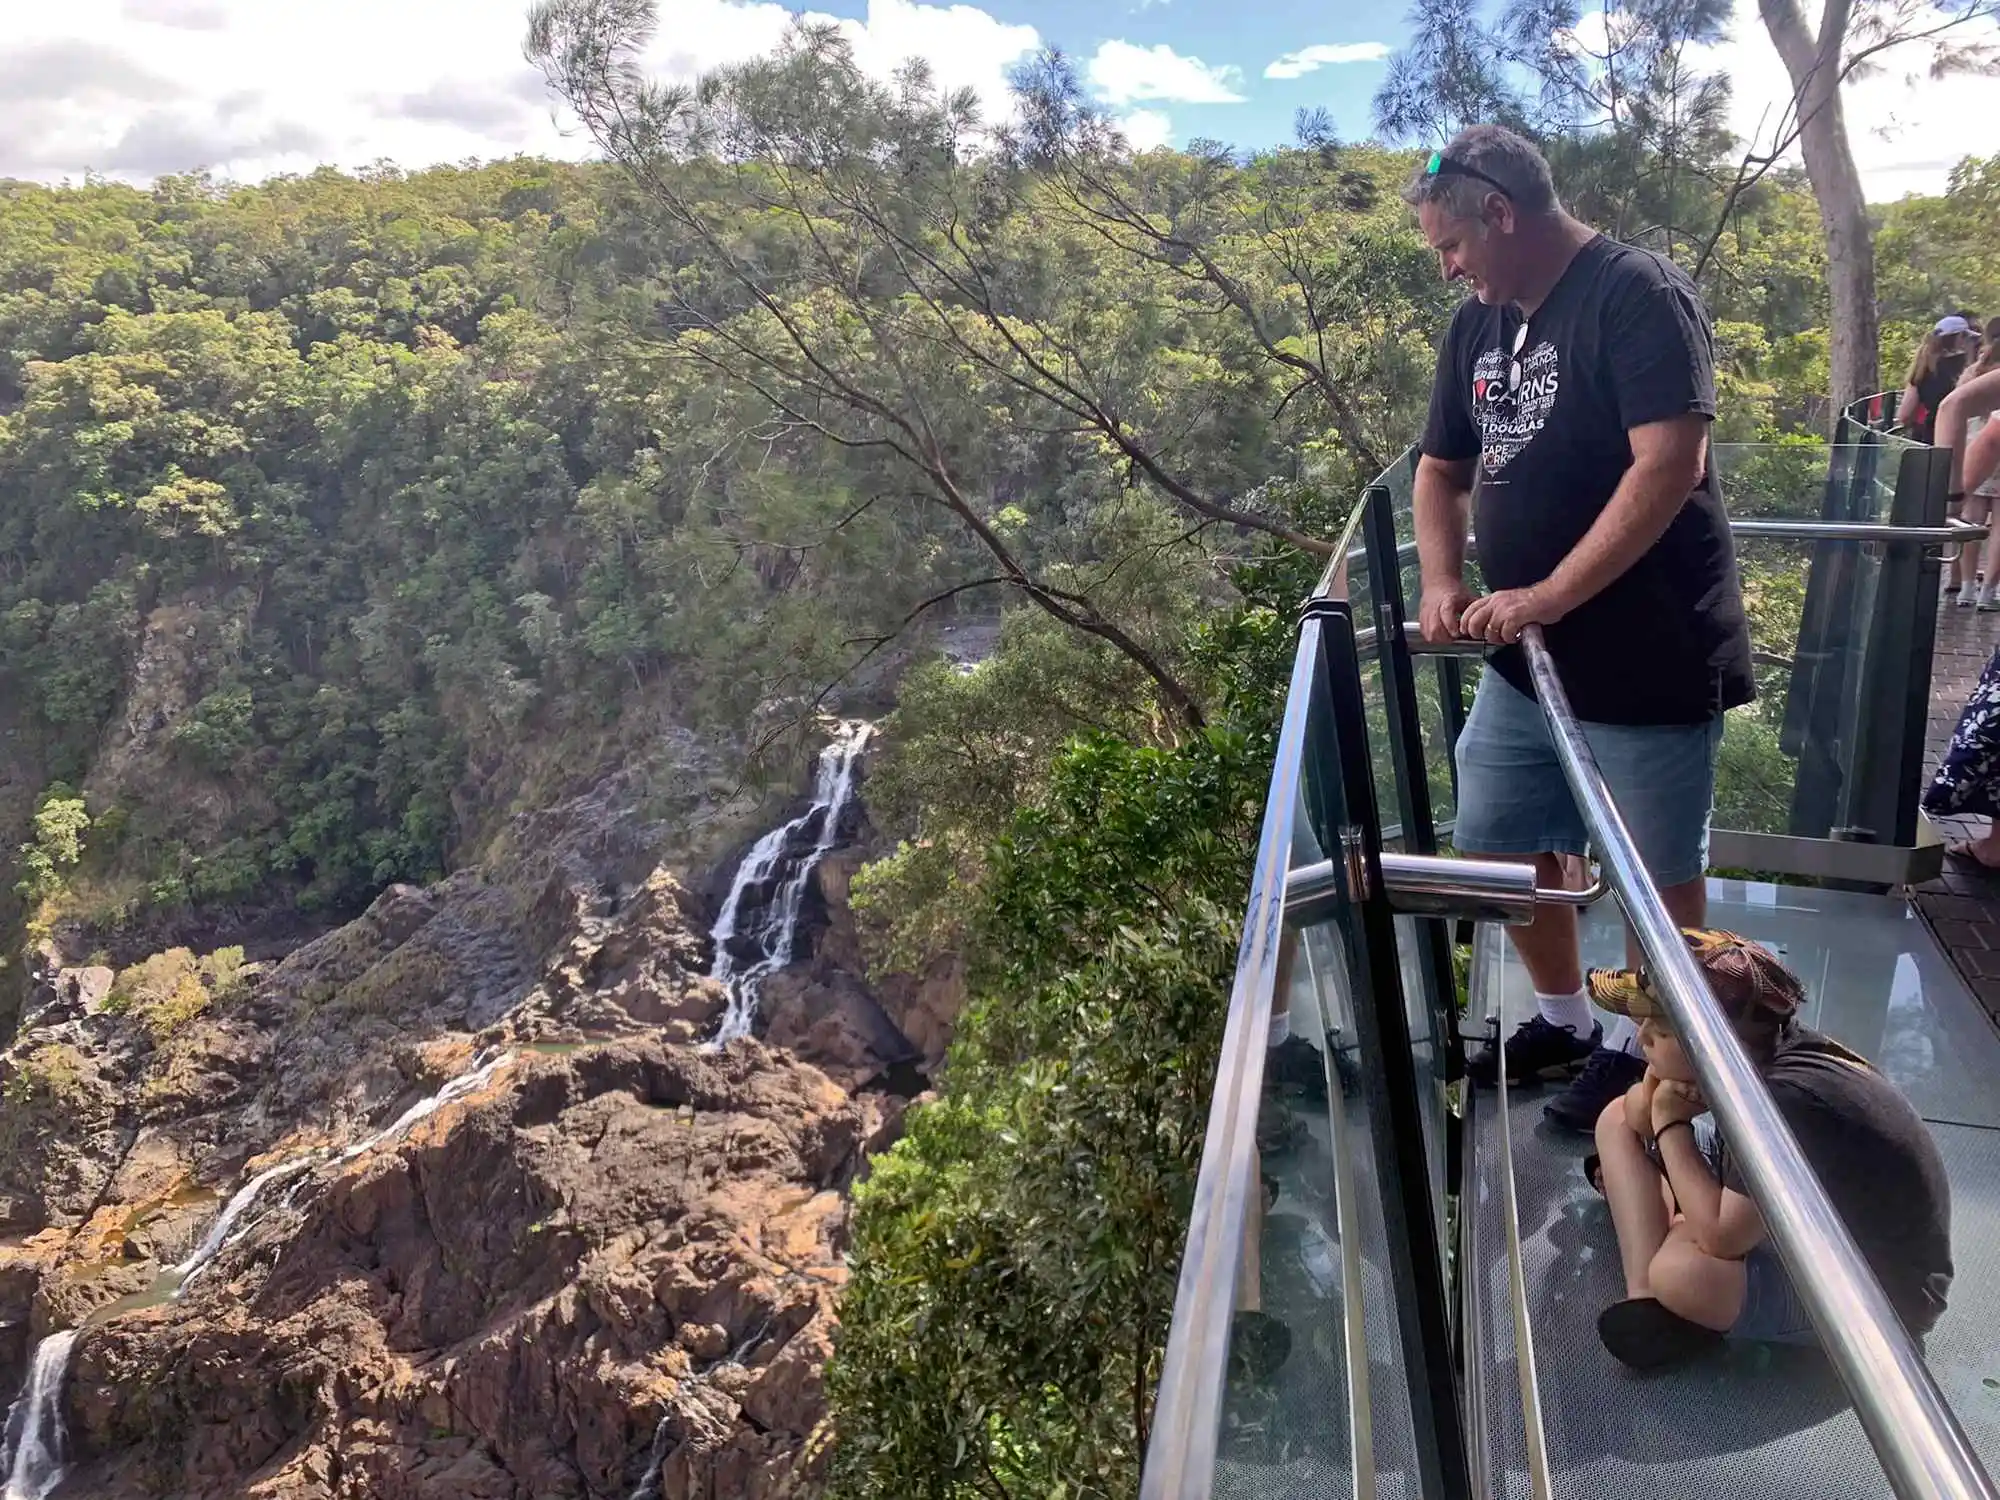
<point>1969,780</point>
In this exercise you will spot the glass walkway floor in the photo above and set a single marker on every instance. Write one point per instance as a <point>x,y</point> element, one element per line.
<point>1753,1420</point>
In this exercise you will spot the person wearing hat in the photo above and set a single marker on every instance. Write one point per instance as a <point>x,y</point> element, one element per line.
<point>1698,1266</point>
<point>1940,359</point>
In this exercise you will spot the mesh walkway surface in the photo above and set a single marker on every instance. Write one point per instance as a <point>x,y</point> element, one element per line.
<point>1754,1420</point>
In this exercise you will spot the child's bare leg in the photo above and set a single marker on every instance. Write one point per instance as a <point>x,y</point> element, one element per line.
<point>1633,1188</point>
<point>1704,1289</point>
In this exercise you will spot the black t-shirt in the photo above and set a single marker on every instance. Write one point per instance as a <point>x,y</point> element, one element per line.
<point>1622,340</point>
<point>1931,391</point>
<point>1877,1162</point>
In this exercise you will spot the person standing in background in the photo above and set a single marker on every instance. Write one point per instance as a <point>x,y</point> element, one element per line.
<point>1940,359</point>
<point>1979,500</point>
<point>1967,783</point>
<point>1571,410</point>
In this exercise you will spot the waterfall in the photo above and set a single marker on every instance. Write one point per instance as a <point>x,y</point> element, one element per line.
<point>770,933</point>
<point>475,1078</point>
<point>221,1233</point>
<point>35,1437</point>
<point>224,1232</point>
<point>663,1444</point>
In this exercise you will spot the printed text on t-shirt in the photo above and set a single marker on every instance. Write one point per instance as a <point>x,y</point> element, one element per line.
<point>1510,418</point>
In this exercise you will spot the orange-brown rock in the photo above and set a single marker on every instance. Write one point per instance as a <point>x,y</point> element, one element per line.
<point>615,1266</point>
<point>605,1248</point>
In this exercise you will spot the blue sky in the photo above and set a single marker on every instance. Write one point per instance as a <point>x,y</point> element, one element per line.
<point>130,89</point>
<point>1243,39</point>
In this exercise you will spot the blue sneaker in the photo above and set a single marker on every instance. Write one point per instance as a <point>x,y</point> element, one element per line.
<point>1606,1076</point>
<point>1536,1050</point>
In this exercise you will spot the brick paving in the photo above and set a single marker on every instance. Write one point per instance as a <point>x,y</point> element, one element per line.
<point>1963,905</point>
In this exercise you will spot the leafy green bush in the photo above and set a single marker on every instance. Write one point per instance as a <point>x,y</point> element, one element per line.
<point>170,989</point>
<point>60,822</point>
<point>1015,1255</point>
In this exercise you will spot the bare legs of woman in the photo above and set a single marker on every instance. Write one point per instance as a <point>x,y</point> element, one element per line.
<point>1964,570</point>
<point>1977,510</point>
<point>1982,462</point>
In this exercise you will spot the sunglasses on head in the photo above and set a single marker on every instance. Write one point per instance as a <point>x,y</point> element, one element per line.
<point>1441,165</point>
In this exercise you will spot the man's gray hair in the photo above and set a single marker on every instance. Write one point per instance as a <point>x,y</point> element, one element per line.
<point>1509,159</point>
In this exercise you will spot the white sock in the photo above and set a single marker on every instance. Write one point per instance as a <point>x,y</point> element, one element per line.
<point>1281,1028</point>
<point>1624,1037</point>
<point>1571,1011</point>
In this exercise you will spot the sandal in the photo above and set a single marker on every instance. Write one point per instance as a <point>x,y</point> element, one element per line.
<point>1968,849</point>
<point>1643,1334</point>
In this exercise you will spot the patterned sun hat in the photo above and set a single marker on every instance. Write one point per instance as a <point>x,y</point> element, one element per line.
<point>1743,975</point>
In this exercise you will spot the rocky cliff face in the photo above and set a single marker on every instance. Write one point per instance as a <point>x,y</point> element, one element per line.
<point>610,1269</point>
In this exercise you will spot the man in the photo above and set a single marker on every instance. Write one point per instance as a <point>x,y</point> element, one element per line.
<point>1570,411</point>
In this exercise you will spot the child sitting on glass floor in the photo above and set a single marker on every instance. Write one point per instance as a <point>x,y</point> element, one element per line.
<point>1698,1265</point>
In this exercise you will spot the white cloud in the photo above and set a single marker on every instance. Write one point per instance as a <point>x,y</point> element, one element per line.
<point>195,15</point>
<point>1123,73</point>
<point>134,88</point>
<point>965,46</point>
<point>1325,55</point>
<point>1905,140</point>
<point>1591,35</point>
<point>1146,128</point>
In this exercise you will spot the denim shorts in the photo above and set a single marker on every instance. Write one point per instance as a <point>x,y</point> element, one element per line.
<point>1772,1312</point>
<point>1512,798</point>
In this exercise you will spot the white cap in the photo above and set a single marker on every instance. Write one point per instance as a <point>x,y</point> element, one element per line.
<point>1947,326</point>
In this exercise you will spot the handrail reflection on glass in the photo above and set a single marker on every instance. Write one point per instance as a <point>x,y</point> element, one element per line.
<point>1923,1449</point>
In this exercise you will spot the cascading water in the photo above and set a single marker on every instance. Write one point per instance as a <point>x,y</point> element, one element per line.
<point>33,1444</point>
<point>220,1233</point>
<point>753,944</point>
<point>471,1081</point>
<point>37,1444</point>
<point>224,1232</point>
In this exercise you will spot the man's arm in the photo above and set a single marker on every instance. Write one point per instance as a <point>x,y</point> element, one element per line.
<point>1668,461</point>
<point>1973,398</point>
<point>1443,497</point>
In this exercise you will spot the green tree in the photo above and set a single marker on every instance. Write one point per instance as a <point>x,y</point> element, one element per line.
<point>1015,1255</point>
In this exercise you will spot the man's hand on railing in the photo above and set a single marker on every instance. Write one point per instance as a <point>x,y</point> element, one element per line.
<point>1500,618</point>
<point>1441,611</point>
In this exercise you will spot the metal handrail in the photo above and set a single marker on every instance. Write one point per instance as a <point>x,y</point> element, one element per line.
<point>1187,1406</point>
<point>1949,534</point>
<point>1923,1449</point>
<point>1181,1452</point>
<point>1473,890</point>
<point>1861,531</point>
<point>1180,1455</point>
